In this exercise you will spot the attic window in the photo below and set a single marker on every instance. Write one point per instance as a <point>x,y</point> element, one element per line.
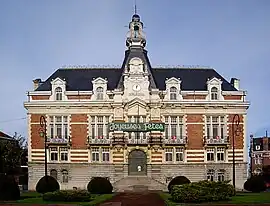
<point>173,93</point>
<point>58,93</point>
<point>214,93</point>
<point>99,93</point>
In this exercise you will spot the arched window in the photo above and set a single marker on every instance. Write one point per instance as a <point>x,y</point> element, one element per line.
<point>210,175</point>
<point>53,173</point>
<point>214,93</point>
<point>173,93</point>
<point>64,176</point>
<point>221,175</point>
<point>58,93</point>
<point>100,93</point>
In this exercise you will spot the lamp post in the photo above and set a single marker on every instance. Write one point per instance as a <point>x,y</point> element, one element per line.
<point>43,133</point>
<point>235,126</point>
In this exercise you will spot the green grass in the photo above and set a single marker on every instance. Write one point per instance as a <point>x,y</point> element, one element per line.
<point>36,198</point>
<point>240,198</point>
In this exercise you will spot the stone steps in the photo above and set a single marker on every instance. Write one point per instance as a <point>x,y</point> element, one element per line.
<point>138,183</point>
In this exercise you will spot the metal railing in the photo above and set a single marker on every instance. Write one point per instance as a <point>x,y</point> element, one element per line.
<point>175,140</point>
<point>216,140</point>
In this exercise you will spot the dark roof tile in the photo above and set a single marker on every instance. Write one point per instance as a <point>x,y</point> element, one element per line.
<point>80,79</point>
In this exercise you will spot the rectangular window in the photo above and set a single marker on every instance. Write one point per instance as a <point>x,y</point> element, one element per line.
<point>95,154</point>
<point>179,154</point>
<point>221,176</point>
<point>220,154</point>
<point>166,131</point>
<point>215,127</point>
<point>54,154</point>
<point>58,127</point>
<point>63,153</point>
<point>105,154</point>
<point>169,154</point>
<point>210,154</point>
<point>210,175</point>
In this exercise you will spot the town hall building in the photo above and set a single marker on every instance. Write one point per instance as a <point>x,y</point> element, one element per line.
<point>136,125</point>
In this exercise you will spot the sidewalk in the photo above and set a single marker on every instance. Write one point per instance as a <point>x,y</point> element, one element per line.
<point>135,199</point>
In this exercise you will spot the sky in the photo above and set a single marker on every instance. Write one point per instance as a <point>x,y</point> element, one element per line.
<point>38,37</point>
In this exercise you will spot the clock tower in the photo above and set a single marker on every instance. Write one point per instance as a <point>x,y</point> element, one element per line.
<point>136,80</point>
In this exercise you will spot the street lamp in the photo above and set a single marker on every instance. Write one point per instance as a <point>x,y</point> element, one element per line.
<point>43,133</point>
<point>235,126</point>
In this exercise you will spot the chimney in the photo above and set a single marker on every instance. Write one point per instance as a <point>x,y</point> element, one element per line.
<point>37,83</point>
<point>235,83</point>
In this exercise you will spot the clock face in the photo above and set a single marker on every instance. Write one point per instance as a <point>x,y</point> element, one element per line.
<point>136,87</point>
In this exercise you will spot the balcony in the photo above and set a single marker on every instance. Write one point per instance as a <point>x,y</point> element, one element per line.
<point>58,140</point>
<point>98,140</point>
<point>208,140</point>
<point>175,140</point>
<point>139,140</point>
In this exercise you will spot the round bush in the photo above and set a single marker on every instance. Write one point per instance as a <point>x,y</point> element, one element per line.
<point>203,191</point>
<point>255,183</point>
<point>9,189</point>
<point>99,185</point>
<point>179,180</point>
<point>49,185</point>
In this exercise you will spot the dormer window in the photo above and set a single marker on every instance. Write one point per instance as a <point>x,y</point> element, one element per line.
<point>173,93</point>
<point>214,93</point>
<point>100,94</point>
<point>58,94</point>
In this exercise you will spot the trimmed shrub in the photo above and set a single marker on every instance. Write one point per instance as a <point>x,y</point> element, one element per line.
<point>99,185</point>
<point>68,196</point>
<point>49,185</point>
<point>255,183</point>
<point>203,191</point>
<point>179,180</point>
<point>9,189</point>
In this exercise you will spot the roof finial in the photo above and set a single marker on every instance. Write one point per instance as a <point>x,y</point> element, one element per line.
<point>135,7</point>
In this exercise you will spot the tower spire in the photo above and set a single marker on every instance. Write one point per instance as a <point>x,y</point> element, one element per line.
<point>135,7</point>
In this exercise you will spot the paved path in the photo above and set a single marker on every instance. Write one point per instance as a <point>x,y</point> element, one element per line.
<point>135,199</point>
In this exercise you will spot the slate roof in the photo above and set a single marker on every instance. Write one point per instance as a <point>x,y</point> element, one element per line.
<point>80,79</point>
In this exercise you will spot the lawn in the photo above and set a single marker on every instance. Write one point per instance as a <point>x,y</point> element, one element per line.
<point>240,198</point>
<point>36,198</point>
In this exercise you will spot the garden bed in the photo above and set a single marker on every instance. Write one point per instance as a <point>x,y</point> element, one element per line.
<point>34,198</point>
<point>240,198</point>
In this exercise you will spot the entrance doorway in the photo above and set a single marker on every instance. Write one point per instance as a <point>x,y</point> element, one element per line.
<point>137,163</point>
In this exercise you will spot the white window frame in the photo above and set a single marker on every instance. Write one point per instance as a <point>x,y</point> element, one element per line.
<point>99,122</point>
<point>95,153</point>
<point>210,151</point>
<point>105,153</point>
<point>65,176</point>
<point>215,93</point>
<point>210,175</point>
<point>100,93</point>
<point>179,151</point>
<point>258,159</point>
<point>64,151</point>
<point>53,151</point>
<point>179,124</point>
<point>168,153</point>
<point>220,150</point>
<point>53,125</point>
<point>58,94</point>
<point>173,93</point>
<point>221,175</point>
<point>221,126</point>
